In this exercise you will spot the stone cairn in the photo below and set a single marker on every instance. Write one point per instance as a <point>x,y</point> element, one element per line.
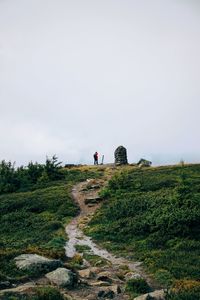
<point>121,156</point>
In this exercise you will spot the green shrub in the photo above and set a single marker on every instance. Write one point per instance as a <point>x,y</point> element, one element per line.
<point>47,293</point>
<point>137,286</point>
<point>164,278</point>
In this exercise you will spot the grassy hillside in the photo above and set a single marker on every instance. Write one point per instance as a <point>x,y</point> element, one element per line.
<point>154,215</point>
<point>33,221</point>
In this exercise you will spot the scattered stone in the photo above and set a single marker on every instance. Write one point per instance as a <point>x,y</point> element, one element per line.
<point>91,187</point>
<point>121,156</point>
<point>131,275</point>
<point>157,295</point>
<point>87,274</point>
<point>62,277</point>
<point>99,283</point>
<point>89,180</point>
<point>67,297</point>
<point>92,200</point>
<point>85,264</point>
<point>95,270</point>
<point>36,264</point>
<point>104,276</point>
<point>21,290</point>
<point>99,263</point>
<point>5,284</point>
<point>116,290</point>
<point>95,186</point>
<point>109,294</point>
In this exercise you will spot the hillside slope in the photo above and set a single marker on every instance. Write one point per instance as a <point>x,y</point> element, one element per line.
<point>34,221</point>
<point>154,215</point>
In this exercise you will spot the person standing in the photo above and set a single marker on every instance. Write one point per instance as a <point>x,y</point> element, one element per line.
<point>96,158</point>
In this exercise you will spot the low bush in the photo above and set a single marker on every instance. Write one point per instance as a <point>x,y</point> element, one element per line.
<point>184,290</point>
<point>154,215</point>
<point>137,286</point>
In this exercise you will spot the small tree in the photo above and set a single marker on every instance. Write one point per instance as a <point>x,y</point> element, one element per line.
<point>52,168</point>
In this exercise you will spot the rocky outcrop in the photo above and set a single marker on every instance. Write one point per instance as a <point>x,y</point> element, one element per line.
<point>36,264</point>
<point>121,156</point>
<point>62,277</point>
<point>156,295</point>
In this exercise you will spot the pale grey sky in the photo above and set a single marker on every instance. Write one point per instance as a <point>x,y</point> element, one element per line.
<point>81,76</point>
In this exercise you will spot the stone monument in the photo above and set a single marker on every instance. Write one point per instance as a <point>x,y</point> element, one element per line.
<point>121,156</point>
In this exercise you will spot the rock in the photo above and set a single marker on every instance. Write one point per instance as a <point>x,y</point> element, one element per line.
<point>36,264</point>
<point>116,289</point>
<point>95,270</point>
<point>99,283</point>
<point>91,187</point>
<point>92,200</point>
<point>5,284</point>
<point>104,276</point>
<point>157,295</point>
<point>131,275</point>
<point>95,186</point>
<point>144,163</point>
<point>62,277</point>
<point>121,156</point>
<point>85,264</point>
<point>98,262</point>
<point>109,294</point>
<point>21,290</point>
<point>87,274</point>
<point>67,297</point>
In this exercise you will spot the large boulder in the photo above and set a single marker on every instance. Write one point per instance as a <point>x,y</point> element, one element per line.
<point>62,278</point>
<point>36,264</point>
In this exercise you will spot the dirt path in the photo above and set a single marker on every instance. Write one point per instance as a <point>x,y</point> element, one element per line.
<point>86,196</point>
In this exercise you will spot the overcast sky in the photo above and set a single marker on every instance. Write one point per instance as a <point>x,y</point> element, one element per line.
<point>79,76</point>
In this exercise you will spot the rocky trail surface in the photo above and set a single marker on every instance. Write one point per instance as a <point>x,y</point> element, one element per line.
<point>98,280</point>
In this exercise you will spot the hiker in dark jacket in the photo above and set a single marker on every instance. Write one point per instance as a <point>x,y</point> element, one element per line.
<point>96,158</point>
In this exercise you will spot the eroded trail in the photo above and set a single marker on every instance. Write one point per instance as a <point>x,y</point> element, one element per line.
<point>86,196</point>
<point>77,237</point>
